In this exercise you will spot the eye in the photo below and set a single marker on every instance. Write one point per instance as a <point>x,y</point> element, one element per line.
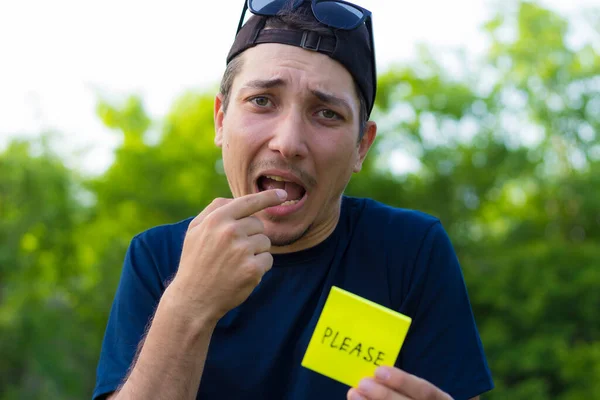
<point>328,114</point>
<point>260,101</point>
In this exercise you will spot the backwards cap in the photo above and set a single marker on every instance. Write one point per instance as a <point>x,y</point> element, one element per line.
<point>349,47</point>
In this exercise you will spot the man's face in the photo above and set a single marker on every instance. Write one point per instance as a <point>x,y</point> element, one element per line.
<point>292,122</point>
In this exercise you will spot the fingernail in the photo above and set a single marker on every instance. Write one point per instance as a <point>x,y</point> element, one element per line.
<point>282,194</point>
<point>356,396</point>
<point>382,373</point>
<point>366,386</point>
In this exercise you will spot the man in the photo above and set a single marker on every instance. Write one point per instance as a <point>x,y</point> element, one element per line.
<point>222,306</point>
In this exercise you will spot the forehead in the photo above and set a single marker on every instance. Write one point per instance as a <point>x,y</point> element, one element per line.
<point>297,67</point>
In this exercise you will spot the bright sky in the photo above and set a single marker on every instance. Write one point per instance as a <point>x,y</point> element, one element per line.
<point>57,57</point>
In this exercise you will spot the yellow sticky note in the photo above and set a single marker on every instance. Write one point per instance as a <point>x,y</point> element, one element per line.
<point>353,337</point>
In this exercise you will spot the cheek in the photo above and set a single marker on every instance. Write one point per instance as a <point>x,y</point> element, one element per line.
<point>345,148</point>
<point>238,143</point>
<point>337,156</point>
<point>245,133</point>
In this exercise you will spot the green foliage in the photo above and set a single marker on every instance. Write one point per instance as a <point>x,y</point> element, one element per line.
<point>512,170</point>
<point>40,331</point>
<point>508,157</point>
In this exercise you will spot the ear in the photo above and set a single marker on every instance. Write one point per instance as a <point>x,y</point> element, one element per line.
<point>219,115</point>
<point>365,144</point>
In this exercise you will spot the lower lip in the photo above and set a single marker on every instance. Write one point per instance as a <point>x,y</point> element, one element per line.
<point>282,211</point>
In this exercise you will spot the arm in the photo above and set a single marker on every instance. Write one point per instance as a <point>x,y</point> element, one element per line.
<point>172,357</point>
<point>224,256</point>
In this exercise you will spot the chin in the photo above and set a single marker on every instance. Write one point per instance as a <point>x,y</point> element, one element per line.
<point>281,239</point>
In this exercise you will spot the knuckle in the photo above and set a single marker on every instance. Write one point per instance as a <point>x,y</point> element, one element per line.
<point>267,267</point>
<point>400,379</point>
<point>219,201</point>
<point>428,392</point>
<point>265,240</point>
<point>259,265</point>
<point>268,261</point>
<point>193,223</point>
<point>379,392</point>
<point>210,220</point>
<point>235,247</point>
<point>230,230</point>
<point>385,394</point>
<point>253,271</point>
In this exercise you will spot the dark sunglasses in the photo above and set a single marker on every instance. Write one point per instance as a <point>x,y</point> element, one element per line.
<point>336,14</point>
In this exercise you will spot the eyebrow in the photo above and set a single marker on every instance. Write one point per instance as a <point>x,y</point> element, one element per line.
<point>264,84</point>
<point>333,100</point>
<point>328,98</point>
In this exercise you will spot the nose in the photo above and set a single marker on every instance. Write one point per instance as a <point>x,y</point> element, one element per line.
<point>289,136</point>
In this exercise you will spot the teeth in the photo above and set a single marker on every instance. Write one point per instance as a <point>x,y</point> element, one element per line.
<point>289,203</point>
<point>277,178</point>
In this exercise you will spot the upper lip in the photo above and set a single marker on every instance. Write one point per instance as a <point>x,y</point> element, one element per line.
<point>284,174</point>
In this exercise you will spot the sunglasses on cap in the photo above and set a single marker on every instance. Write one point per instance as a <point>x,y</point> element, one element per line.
<point>336,14</point>
<point>333,13</point>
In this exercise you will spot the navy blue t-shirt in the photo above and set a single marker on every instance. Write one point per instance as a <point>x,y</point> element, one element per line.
<point>398,258</point>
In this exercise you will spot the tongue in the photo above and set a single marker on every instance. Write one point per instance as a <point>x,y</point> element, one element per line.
<point>268,184</point>
<point>294,191</point>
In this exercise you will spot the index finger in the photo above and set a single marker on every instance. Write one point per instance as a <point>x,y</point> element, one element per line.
<point>214,205</point>
<point>245,206</point>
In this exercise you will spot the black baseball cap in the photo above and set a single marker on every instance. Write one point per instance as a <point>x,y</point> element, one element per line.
<point>351,48</point>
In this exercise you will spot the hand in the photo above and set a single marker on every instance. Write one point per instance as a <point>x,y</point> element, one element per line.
<point>225,255</point>
<point>393,384</point>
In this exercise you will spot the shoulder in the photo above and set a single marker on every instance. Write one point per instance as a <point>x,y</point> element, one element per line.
<point>172,234</point>
<point>401,242</point>
<point>374,215</point>
<point>155,253</point>
<point>160,246</point>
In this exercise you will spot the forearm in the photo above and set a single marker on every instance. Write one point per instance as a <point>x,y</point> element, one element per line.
<point>171,360</point>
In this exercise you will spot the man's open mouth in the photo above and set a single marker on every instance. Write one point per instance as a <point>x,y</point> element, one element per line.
<point>295,191</point>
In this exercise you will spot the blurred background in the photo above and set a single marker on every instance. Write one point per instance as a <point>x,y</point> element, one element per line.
<point>489,117</point>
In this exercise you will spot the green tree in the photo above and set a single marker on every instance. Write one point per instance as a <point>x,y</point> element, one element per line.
<point>509,161</point>
<point>508,157</point>
<point>40,329</point>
